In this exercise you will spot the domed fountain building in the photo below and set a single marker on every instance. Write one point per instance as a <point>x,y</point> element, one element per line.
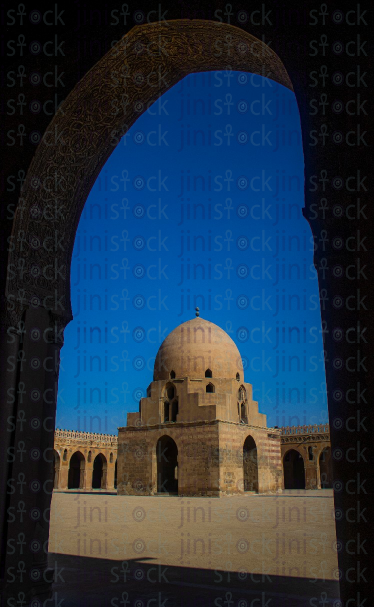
<point>198,431</point>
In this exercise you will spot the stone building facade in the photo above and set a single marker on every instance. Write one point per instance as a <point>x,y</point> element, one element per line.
<point>198,431</point>
<point>84,460</point>
<point>309,473</point>
<point>306,457</point>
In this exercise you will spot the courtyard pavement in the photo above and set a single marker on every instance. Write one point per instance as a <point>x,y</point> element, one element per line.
<point>242,551</point>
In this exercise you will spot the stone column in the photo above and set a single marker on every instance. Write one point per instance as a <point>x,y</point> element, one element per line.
<point>88,475</point>
<point>311,477</point>
<point>64,475</point>
<point>342,266</point>
<point>31,458</point>
<point>11,334</point>
<point>110,476</point>
<point>57,474</point>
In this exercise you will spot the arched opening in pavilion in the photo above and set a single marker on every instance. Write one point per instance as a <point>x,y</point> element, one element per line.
<point>294,470</point>
<point>99,472</point>
<point>167,465</point>
<point>325,469</point>
<point>250,465</point>
<point>76,471</point>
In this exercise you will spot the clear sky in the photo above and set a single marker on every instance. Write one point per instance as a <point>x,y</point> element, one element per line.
<point>200,204</point>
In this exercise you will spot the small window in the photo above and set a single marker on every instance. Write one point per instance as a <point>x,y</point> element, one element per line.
<point>89,456</point>
<point>172,374</point>
<point>170,392</point>
<point>208,373</point>
<point>111,458</point>
<point>310,453</point>
<point>238,377</point>
<point>174,411</point>
<point>210,388</point>
<point>65,456</point>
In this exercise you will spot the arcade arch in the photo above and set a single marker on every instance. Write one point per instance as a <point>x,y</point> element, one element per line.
<point>293,470</point>
<point>77,467</point>
<point>99,472</point>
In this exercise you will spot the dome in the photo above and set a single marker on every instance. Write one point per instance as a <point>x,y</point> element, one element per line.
<point>197,346</point>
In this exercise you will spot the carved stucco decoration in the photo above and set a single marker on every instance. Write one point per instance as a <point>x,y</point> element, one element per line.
<point>310,438</point>
<point>142,66</point>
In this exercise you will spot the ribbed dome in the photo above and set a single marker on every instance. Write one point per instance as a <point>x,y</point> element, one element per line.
<point>195,346</point>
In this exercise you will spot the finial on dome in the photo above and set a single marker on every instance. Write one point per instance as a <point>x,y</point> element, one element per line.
<point>197,312</point>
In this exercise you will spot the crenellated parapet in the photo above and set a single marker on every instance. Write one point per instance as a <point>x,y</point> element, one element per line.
<point>85,438</point>
<point>305,434</point>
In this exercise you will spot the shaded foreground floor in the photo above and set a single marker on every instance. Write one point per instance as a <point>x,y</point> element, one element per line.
<point>243,551</point>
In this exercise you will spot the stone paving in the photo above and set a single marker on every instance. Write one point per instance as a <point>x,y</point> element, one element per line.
<point>237,551</point>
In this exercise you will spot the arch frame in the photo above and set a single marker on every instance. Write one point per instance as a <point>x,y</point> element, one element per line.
<point>62,174</point>
<point>14,314</point>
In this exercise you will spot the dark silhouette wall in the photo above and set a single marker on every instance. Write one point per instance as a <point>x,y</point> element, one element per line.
<point>326,54</point>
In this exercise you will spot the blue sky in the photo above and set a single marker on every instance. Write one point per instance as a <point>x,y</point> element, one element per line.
<point>199,204</point>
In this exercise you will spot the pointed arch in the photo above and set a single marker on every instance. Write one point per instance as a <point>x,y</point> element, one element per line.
<point>167,464</point>
<point>77,465</point>
<point>293,470</point>
<point>170,390</point>
<point>250,465</point>
<point>99,472</point>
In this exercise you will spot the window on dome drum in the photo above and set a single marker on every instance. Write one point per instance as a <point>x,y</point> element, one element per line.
<point>174,411</point>
<point>243,415</point>
<point>170,392</point>
<point>210,388</point>
<point>237,377</point>
<point>172,374</point>
<point>166,412</point>
<point>208,373</point>
<point>241,393</point>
